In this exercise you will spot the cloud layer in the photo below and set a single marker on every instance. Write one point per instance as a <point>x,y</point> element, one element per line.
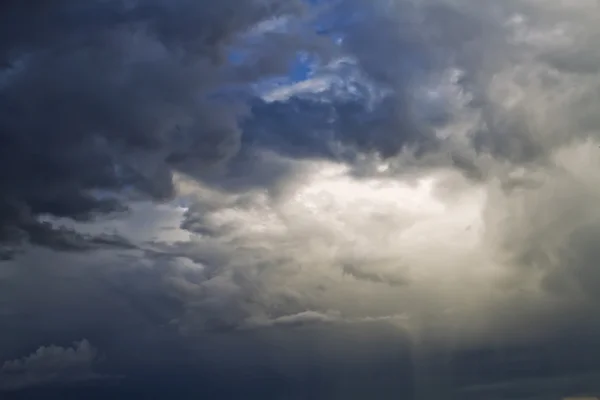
<point>109,97</point>
<point>431,185</point>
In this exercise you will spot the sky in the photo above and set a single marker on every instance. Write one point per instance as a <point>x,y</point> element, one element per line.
<point>289,199</point>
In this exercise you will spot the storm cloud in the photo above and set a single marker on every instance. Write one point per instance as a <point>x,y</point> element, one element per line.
<point>105,99</point>
<point>304,199</point>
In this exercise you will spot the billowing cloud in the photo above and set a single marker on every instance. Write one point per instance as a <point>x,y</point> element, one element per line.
<point>433,178</point>
<point>51,365</point>
<point>107,98</point>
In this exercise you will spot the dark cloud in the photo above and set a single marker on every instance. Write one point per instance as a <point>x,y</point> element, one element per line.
<point>113,96</point>
<point>412,74</point>
<point>418,219</point>
<point>51,365</point>
<point>81,298</point>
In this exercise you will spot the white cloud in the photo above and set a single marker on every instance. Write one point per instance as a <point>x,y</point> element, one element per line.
<point>333,245</point>
<point>307,318</point>
<point>284,92</point>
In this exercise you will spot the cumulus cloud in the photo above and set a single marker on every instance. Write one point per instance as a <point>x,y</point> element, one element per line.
<point>51,365</point>
<point>440,176</point>
<point>430,85</point>
<point>106,98</point>
<point>335,248</point>
<point>492,193</point>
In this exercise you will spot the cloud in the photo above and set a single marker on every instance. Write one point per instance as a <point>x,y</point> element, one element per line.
<point>284,92</point>
<point>104,100</point>
<point>142,96</point>
<point>300,319</point>
<point>438,180</point>
<point>50,365</point>
<point>335,243</point>
<point>308,318</point>
<point>373,277</point>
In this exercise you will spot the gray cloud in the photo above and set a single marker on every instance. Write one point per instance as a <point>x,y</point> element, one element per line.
<point>509,119</point>
<point>113,96</point>
<point>440,188</point>
<point>133,104</point>
<point>51,365</point>
<point>359,273</point>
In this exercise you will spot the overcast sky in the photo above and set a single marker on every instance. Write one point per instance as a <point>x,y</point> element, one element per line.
<point>293,199</point>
